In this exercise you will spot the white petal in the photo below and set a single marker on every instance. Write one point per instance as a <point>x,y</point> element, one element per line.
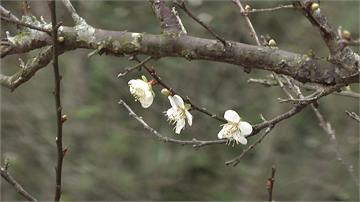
<point>172,102</point>
<point>241,139</point>
<point>138,83</point>
<point>188,117</point>
<point>146,101</point>
<point>178,101</point>
<point>170,112</point>
<point>180,124</point>
<point>246,128</point>
<point>220,135</point>
<point>232,116</point>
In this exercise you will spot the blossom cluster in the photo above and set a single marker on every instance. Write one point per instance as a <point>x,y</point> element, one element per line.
<point>234,130</point>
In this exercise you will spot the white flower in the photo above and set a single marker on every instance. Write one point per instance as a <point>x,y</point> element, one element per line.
<point>235,129</point>
<point>178,113</point>
<point>142,91</point>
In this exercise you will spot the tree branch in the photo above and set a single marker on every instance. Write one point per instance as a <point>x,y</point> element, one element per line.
<point>58,107</point>
<point>270,184</point>
<point>353,115</point>
<point>326,126</point>
<point>118,43</point>
<point>183,6</point>
<point>170,22</point>
<point>340,54</point>
<point>154,75</point>
<point>236,160</point>
<point>194,142</point>
<point>19,189</point>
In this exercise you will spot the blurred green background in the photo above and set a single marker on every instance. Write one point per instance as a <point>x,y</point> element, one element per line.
<point>111,157</point>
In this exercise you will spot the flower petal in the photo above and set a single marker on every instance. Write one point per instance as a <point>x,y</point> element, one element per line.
<point>170,113</point>
<point>178,101</point>
<point>138,83</point>
<point>172,102</point>
<point>220,135</point>
<point>180,124</point>
<point>146,101</point>
<point>232,116</point>
<point>246,128</point>
<point>188,117</point>
<point>241,139</point>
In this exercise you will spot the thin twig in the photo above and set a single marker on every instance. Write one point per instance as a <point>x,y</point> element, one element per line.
<point>256,10</point>
<point>253,32</point>
<point>194,142</point>
<point>326,126</point>
<point>270,184</point>
<point>236,160</point>
<point>307,86</point>
<point>154,75</point>
<point>58,108</point>
<point>6,13</point>
<point>353,115</point>
<point>19,189</point>
<point>24,24</point>
<point>137,66</point>
<point>183,6</point>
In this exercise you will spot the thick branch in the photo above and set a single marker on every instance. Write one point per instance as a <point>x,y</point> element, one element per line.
<point>340,54</point>
<point>6,175</point>
<point>118,43</point>
<point>26,72</point>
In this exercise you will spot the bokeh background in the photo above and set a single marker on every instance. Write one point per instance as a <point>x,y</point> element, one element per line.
<point>111,157</point>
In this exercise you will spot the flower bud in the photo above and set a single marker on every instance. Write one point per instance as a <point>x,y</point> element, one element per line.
<point>272,43</point>
<point>248,8</point>
<point>60,39</point>
<point>346,35</point>
<point>165,92</point>
<point>315,6</point>
<point>63,118</point>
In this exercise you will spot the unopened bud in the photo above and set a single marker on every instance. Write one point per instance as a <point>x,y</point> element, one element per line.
<point>63,118</point>
<point>165,92</point>
<point>315,6</point>
<point>60,39</point>
<point>346,35</point>
<point>272,43</point>
<point>247,8</point>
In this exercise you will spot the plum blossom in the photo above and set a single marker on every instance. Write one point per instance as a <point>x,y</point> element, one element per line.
<point>142,91</point>
<point>178,113</point>
<point>235,129</point>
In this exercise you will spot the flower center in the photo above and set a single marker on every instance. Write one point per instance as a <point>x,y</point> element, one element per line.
<point>137,92</point>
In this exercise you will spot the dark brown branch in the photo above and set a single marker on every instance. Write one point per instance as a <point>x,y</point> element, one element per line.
<point>183,6</point>
<point>58,107</point>
<point>170,23</point>
<point>153,74</point>
<point>340,54</point>
<point>282,62</point>
<point>353,115</point>
<point>19,189</point>
<point>236,160</point>
<point>270,184</point>
<point>137,66</point>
